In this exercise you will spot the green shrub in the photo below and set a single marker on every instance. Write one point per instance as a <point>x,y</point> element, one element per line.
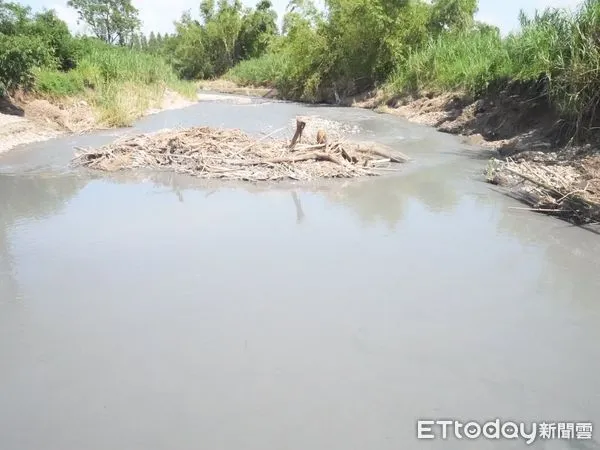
<point>18,57</point>
<point>59,84</point>
<point>266,70</point>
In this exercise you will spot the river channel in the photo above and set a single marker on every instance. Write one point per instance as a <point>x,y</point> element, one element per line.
<point>143,311</point>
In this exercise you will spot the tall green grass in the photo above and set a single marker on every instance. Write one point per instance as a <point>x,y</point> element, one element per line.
<point>467,61</point>
<point>265,71</point>
<point>556,46</point>
<point>121,83</point>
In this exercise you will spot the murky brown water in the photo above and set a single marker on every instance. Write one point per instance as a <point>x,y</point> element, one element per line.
<point>143,311</point>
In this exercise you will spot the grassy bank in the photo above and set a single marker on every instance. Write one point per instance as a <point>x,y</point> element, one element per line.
<point>40,58</point>
<point>119,83</point>
<point>556,53</point>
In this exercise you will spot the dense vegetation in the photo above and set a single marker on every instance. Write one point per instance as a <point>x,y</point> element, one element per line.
<point>409,46</point>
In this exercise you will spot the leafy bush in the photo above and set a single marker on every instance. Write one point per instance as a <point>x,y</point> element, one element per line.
<point>28,41</point>
<point>18,56</point>
<point>266,70</point>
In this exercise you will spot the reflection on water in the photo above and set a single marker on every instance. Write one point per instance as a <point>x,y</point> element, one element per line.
<point>28,198</point>
<point>374,200</point>
<point>298,205</point>
<point>174,302</point>
<point>385,199</point>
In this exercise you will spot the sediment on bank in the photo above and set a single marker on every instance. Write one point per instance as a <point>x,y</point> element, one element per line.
<point>534,153</point>
<point>537,157</point>
<point>230,154</point>
<point>26,118</point>
<point>534,158</point>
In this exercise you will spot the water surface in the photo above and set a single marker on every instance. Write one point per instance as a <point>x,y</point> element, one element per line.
<point>152,311</point>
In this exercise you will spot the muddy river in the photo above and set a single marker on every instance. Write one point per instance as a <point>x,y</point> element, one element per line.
<point>154,312</point>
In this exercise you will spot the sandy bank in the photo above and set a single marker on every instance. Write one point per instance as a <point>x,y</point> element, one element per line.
<point>26,120</point>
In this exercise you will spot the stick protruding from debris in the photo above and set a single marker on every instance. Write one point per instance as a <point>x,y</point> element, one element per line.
<point>300,124</point>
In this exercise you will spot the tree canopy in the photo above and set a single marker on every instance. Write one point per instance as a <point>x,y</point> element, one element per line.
<point>113,21</point>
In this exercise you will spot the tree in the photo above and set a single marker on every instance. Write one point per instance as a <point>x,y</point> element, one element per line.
<point>151,47</point>
<point>186,50</point>
<point>222,33</point>
<point>135,42</point>
<point>257,30</point>
<point>56,35</point>
<point>452,14</point>
<point>300,13</point>
<point>207,10</point>
<point>143,41</point>
<point>113,21</point>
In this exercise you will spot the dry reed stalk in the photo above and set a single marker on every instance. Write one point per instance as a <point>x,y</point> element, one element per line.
<point>565,189</point>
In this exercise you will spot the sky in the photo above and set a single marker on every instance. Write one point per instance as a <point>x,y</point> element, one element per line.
<point>159,15</point>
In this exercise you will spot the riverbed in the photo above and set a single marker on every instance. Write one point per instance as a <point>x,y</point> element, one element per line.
<point>158,312</point>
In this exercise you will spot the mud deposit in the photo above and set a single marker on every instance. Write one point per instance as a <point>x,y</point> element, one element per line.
<point>155,312</point>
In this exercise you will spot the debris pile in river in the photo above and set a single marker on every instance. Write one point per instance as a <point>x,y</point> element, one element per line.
<point>568,189</point>
<point>234,155</point>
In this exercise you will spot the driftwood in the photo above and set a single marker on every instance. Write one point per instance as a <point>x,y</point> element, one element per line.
<point>292,159</point>
<point>397,157</point>
<point>233,155</point>
<point>566,190</point>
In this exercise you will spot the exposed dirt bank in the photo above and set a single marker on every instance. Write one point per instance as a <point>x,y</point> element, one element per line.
<point>531,156</point>
<point>25,120</point>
